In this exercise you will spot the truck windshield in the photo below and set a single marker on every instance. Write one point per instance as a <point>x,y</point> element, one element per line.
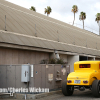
<point>84,66</point>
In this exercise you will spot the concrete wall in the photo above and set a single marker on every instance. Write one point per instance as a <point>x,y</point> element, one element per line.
<point>44,76</point>
<point>17,56</point>
<point>71,59</point>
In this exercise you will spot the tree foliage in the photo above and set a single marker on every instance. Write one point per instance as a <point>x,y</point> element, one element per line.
<point>74,10</point>
<point>97,17</point>
<point>33,8</point>
<point>82,17</point>
<point>48,10</point>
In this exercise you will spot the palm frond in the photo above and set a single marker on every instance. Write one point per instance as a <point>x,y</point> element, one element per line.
<point>48,10</point>
<point>82,16</point>
<point>97,17</point>
<point>74,9</point>
<point>33,8</point>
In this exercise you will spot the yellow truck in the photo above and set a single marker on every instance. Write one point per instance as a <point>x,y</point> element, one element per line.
<point>86,75</point>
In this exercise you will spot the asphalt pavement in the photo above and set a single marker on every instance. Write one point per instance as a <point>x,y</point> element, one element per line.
<point>77,95</point>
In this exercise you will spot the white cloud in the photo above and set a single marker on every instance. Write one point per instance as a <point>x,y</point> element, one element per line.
<point>44,1</point>
<point>97,5</point>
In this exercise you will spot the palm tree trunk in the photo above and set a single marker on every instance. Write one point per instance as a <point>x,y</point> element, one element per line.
<point>74,19</point>
<point>99,27</point>
<point>83,24</point>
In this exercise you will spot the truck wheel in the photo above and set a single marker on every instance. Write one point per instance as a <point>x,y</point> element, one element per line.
<point>96,88</point>
<point>67,90</point>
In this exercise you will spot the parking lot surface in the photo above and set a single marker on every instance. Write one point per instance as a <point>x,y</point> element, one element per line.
<point>77,95</point>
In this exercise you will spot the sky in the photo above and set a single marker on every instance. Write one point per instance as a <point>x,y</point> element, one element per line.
<point>61,10</point>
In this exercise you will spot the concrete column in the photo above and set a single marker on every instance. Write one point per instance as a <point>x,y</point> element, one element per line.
<point>93,58</point>
<point>71,60</point>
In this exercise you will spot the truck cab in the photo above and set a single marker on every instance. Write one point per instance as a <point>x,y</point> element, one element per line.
<point>86,75</point>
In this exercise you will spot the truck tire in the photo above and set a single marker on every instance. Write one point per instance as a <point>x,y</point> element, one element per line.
<point>96,88</point>
<point>67,90</point>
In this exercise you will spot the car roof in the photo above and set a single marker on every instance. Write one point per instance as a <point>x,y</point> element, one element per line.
<point>87,62</point>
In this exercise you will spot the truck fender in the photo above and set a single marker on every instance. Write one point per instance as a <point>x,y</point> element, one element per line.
<point>92,79</point>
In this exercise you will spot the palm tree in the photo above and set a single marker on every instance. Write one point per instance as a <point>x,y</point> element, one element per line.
<point>82,16</point>
<point>33,8</point>
<point>48,10</point>
<point>98,19</point>
<point>74,10</point>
